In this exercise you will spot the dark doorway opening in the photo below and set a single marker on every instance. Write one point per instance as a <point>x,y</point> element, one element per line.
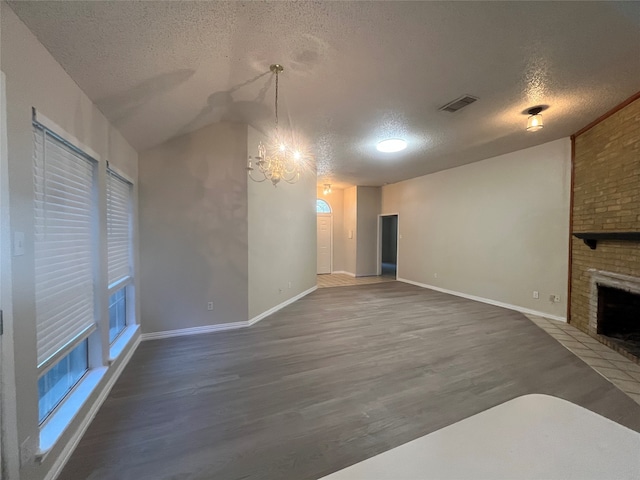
<point>389,246</point>
<point>619,318</point>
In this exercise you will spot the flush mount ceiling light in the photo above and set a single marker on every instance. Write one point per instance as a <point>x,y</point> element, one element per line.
<point>327,189</point>
<point>391,145</point>
<point>279,159</point>
<point>534,122</point>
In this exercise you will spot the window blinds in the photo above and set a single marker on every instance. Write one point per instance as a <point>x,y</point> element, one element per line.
<point>64,220</point>
<point>118,228</point>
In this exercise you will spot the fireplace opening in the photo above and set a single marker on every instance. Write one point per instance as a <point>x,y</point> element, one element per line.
<point>619,318</point>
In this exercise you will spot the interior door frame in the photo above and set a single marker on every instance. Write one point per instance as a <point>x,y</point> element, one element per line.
<point>379,249</point>
<point>9,450</point>
<point>330,215</point>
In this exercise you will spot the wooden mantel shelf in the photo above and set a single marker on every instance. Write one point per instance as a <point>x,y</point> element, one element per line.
<point>592,238</point>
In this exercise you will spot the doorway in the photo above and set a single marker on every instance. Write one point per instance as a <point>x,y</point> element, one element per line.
<point>388,252</point>
<point>325,237</point>
<point>325,234</point>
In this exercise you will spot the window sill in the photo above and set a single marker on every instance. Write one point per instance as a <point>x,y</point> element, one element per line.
<point>51,432</point>
<point>121,342</point>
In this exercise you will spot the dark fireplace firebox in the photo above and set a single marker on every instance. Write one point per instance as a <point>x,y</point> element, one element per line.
<point>619,318</point>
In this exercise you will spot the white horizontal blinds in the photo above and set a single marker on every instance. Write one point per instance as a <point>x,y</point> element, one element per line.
<point>64,247</point>
<point>118,227</point>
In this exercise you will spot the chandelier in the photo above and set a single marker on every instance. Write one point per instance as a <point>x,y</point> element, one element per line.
<point>279,159</point>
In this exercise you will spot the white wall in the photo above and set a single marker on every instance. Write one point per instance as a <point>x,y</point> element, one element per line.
<point>282,238</point>
<point>496,229</point>
<point>193,225</point>
<point>35,79</point>
<point>368,208</point>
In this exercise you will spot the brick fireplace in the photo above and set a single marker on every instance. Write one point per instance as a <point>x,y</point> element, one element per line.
<point>606,205</point>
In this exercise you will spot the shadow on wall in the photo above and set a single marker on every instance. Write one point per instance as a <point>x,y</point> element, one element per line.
<point>221,107</point>
<point>194,225</point>
<point>119,108</point>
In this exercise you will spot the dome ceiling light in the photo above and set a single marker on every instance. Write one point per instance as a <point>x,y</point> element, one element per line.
<point>391,145</point>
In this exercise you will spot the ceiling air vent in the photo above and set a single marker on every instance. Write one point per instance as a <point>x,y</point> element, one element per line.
<point>458,103</point>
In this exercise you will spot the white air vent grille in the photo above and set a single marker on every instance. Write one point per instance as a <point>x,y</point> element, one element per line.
<point>458,103</point>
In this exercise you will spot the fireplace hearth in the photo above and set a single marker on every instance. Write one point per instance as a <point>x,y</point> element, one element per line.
<point>619,318</point>
<point>614,311</point>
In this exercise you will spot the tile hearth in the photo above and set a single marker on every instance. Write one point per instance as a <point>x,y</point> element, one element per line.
<point>620,371</point>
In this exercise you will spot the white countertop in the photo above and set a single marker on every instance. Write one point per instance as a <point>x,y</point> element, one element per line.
<point>529,437</point>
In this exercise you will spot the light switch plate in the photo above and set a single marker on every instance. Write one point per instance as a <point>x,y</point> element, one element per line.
<point>18,244</point>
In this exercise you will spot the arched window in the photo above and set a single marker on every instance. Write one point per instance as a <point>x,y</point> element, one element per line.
<point>322,206</point>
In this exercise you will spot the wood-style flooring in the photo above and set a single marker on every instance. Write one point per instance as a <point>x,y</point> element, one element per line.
<point>335,378</point>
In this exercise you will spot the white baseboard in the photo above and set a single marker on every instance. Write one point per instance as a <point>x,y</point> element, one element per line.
<point>224,326</point>
<point>71,445</point>
<point>193,330</point>
<point>485,300</point>
<point>280,306</point>
<point>344,272</point>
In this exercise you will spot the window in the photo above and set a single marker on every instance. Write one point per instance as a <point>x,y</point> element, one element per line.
<point>54,385</point>
<point>119,246</point>
<point>64,245</point>
<point>322,206</point>
<point>117,313</point>
<point>65,259</point>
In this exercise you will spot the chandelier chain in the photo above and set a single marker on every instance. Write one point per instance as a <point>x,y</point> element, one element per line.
<point>277,99</point>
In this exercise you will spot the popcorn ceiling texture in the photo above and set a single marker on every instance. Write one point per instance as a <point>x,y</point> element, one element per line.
<point>606,198</point>
<point>355,72</point>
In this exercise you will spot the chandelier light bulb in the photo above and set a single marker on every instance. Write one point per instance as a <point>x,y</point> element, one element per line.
<point>297,155</point>
<point>327,189</point>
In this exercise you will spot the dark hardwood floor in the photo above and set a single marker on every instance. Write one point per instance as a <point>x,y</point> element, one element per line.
<point>335,378</point>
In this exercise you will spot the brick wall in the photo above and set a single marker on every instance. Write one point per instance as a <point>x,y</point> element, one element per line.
<point>606,197</point>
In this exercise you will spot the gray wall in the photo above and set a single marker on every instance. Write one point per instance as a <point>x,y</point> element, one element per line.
<point>34,79</point>
<point>368,208</point>
<point>282,238</point>
<point>193,226</point>
<point>350,225</point>
<point>497,229</point>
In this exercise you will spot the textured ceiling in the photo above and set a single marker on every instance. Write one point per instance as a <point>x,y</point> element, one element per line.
<point>355,72</point>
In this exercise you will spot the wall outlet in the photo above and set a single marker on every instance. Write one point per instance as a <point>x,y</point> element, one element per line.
<point>536,294</point>
<point>435,275</point>
<point>210,306</point>
<point>554,298</point>
<point>289,284</point>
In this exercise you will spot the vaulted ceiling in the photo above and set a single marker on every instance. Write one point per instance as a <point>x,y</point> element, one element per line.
<point>355,72</point>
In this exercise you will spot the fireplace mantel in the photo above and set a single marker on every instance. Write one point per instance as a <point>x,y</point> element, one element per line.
<point>591,238</point>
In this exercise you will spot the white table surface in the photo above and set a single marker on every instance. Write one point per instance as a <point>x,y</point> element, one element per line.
<point>529,437</point>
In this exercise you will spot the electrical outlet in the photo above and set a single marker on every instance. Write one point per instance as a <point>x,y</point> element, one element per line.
<point>554,298</point>
<point>210,306</point>
<point>435,275</point>
<point>289,284</point>
<point>536,295</point>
